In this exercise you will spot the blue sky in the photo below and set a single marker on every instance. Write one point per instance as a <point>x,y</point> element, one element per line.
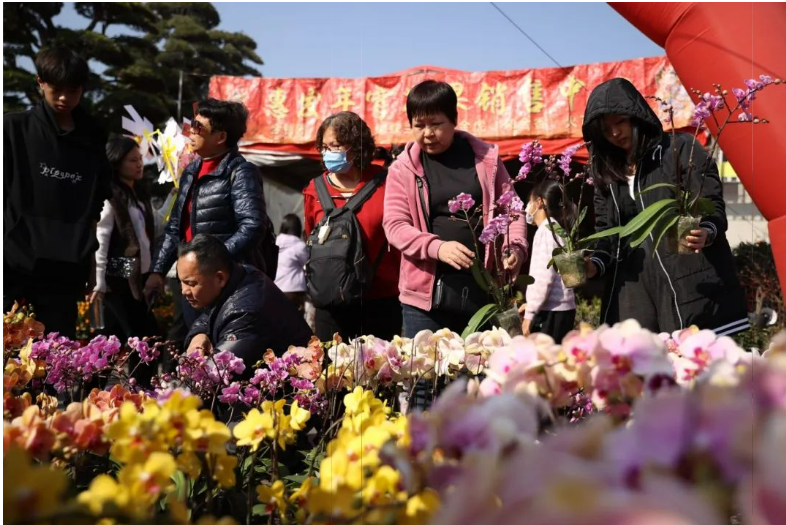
<point>371,39</point>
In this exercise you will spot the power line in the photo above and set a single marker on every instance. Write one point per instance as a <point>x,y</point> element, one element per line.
<point>525,34</point>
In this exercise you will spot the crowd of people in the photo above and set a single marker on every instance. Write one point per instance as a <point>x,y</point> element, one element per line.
<point>378,252</point>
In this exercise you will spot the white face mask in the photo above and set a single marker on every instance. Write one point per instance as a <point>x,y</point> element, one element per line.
<point>528,216</point>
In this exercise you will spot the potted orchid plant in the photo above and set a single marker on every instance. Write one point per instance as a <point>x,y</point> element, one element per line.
<point>500,284</point>
<point>673,218</point>
<point>568,257</point>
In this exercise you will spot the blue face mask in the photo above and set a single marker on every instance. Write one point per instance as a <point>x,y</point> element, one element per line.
<point>336,161</point>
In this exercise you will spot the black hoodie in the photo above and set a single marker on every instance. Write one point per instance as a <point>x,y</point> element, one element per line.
<point>706,282</point>
<point>55,184</point>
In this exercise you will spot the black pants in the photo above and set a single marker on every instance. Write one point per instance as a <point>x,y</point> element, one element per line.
<point>178,331</point>
<point>557,324</point>
<point>643,293</point>
<point>378,317</point>
<point>126,317</point>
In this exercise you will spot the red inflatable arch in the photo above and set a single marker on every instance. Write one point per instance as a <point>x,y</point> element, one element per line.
<point>725,43</point>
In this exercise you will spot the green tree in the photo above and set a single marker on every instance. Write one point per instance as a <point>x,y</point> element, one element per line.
<point>140,49</point>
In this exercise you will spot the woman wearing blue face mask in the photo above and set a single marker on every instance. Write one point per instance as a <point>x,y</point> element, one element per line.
<point>347,149</point>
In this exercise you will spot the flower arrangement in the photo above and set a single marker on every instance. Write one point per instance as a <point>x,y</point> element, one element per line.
<point>615,425</point>
<point>675,217</point>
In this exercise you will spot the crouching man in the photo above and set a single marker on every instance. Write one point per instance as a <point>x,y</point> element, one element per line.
<point>242,309</point>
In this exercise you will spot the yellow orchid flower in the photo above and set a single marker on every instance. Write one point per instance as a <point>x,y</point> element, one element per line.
<point>29,490</point>
<point>421,507</point>
<point>103,490</point>
<point>273,496</point>
<point>224,470</point>
<point>253,429</point>
<point>299,417</point>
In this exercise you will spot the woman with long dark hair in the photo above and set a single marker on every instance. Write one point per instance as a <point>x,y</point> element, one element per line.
<point>550,307</point>
<point>664,292</point>
<point>125,233</point>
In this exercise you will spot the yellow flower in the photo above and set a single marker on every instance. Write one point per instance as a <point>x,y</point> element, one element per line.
<point>205,434</point>
<point>300,496</point>
<point>224,470</point>
<point>189,463</point>
<point>421,507</point>
<point>253,429</point>
<point>382,485</point>
<point>135,435</point>
<point>147,482</point>
<point>273,496</point>
<point>102,491</point>
<point>339,502</point>
<point>212,520</point>
<point>29,490</point>
<point>299,417</point>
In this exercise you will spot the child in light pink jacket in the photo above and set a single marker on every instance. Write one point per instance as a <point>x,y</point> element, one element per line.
<point>438,165</point>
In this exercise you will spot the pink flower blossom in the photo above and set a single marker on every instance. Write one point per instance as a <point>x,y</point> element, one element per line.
<point>463,201</point>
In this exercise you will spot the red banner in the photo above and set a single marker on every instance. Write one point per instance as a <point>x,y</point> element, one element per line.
<point>547,104</point>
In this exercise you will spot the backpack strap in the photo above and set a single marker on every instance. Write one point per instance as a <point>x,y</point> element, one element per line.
<point>325,200</point>
<point>357,200</point>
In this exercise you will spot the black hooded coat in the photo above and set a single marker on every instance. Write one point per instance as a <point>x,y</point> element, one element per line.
<point>698,289</point>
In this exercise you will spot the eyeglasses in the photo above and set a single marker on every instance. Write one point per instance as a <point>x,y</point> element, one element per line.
<point>331,147</point>
<point>199,128</point>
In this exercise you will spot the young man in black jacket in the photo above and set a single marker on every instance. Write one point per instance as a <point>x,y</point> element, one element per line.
<point>55,180</point>
<point>220,194</point>
<point>242,309</point>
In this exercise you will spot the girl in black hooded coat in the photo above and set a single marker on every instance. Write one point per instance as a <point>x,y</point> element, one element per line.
<point>664,292</point>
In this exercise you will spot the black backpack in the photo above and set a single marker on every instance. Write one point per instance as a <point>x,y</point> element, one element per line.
<point>338,272</point>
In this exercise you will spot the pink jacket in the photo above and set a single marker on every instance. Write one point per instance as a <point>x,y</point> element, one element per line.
<point>406,228</point>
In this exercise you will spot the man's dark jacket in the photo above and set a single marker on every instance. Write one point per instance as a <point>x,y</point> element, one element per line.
<point>250,316</point>
<point>229,204</point>
<point>705,286</point>
<point>54,186</point>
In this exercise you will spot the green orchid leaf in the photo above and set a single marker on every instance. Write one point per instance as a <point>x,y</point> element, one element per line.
<point>656,186</point>
<point>652,226</point>
<point>481,276</point>
<point>559,230</point>
<point>704,207</point>
<point>524,279</point>
<point>480,318</point>
<point>659,235</point>
<point>586,241</point>
<point>646,216</point>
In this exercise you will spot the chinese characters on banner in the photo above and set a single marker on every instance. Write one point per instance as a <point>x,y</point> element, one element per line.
<point>526,104</point>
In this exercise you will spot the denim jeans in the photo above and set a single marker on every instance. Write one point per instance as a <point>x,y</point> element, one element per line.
<point>416,320</point>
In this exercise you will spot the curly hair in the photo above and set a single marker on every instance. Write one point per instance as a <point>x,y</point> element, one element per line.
<point>350,131</point>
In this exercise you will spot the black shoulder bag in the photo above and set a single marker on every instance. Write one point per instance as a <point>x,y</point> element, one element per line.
<point>454,292</point>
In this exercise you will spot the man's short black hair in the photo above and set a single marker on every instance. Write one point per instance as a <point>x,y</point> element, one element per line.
<point>61,66</point>
<point>225,116</point>
<point>211,254</point>
<point>431,97</point>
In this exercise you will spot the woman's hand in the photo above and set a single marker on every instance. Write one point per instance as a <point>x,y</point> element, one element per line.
<point>455,254</point>
<point>512,261</point>
<point>95,295</point>
<point>697,239</point>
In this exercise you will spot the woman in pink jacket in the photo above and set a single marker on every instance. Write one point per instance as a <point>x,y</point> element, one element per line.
<point>435,284</point>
